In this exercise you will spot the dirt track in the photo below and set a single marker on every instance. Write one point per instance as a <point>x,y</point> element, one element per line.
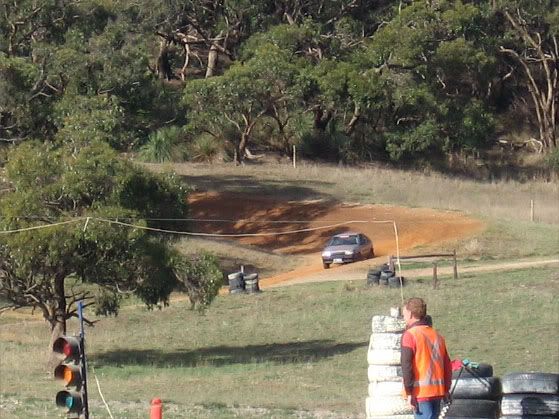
<point>258,214</point>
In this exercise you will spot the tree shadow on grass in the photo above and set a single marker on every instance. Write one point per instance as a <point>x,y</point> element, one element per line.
<point>278,353</point>
<point>287,189</point>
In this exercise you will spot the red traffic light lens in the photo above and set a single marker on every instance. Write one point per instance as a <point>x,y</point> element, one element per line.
<point>67,349</point>
<point>68,346</point>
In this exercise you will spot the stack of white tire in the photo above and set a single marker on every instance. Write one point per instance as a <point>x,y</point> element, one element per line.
<point>385,370</point>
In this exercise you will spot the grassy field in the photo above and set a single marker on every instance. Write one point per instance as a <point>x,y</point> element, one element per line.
<point>300,351</point>
<point>297,351</point>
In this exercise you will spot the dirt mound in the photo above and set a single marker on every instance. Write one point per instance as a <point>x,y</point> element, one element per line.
<point>264,215</point>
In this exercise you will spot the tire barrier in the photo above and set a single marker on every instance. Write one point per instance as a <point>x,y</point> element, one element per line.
<point>251,283</point>
<point>469,408</point>
<point>482,370</point>
<point>385,341</point>
<point>529,394</point>
<point>396,281</point>
<point>383,275</point>
<point>387,324</point>
<point>239,283</point>
<point>475,393</point>
<point>385,397</point>
<point>236,282</point>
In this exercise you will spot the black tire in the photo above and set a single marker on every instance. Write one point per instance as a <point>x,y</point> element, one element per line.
<point>325,265</point>
<point>486,388</point>
<point>483,370</point>
<point>526,417</point>
<point>396,281</point>
<point>530,404</point>
<point>373,280</point>
<point>469,408</point>
<point>236,283</point>
<point>531,382</point>
<point>386,274</point>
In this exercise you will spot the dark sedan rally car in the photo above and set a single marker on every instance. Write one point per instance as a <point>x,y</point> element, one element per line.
<point>346,248</point>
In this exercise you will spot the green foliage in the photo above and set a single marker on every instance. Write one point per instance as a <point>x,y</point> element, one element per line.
<point>552,160</point>
<point>84,189</point>
<point>204,148</point>
<point>92,71</point>
<point>200,278</point>
<point>161,145</point>
<point>88,119</point>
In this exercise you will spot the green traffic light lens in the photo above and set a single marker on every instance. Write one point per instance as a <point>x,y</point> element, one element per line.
<point>69,402</point>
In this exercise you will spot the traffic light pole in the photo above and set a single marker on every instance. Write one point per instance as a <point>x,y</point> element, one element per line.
<point>83,363</point>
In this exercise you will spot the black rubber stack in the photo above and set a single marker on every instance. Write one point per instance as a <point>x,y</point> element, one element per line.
<point>236,283</point>
<point>530,394</point>
<point>373,276</point>
<point>251,283</point>
<point>476,393</point>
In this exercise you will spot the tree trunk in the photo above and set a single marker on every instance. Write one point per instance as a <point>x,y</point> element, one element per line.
<point>58,318</point>
<point>241,148</point>
<point>354,119</point>
<point>163,66</point>
<point>212,61</point>
<point>321,120</point>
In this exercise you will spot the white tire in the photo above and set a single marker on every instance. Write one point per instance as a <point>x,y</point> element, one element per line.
<point>384,373</point>
<point>386,389</point>
<point>385,341</point>
<point>388,324</point>
<point>385,406</point>
<point>383,357</point>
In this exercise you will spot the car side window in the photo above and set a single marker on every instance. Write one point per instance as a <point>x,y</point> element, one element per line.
<point>362,239</point>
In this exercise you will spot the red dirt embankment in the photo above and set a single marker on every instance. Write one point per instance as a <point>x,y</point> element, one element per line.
<point>265,214</point>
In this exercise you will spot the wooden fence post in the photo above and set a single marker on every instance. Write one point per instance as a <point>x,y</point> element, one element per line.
<point>455,266</point>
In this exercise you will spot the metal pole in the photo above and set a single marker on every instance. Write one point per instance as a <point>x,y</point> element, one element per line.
<point>531,210</point>
<point>435,279</point>
<point>294,157</point>
<point>83,363</point>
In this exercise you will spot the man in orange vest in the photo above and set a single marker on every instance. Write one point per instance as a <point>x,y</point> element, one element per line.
<point>426,366</point>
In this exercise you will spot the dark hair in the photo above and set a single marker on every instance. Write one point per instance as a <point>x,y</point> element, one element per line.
<point>417,307</point>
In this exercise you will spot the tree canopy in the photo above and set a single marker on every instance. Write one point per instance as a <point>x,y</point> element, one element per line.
<point>74,209</point>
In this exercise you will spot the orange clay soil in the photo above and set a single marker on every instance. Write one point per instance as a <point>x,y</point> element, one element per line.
<point>266,214</point>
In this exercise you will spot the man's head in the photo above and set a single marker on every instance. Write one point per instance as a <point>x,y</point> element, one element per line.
<point>414,309</point>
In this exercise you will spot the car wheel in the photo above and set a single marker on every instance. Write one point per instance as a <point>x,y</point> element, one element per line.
<point>325,265</point>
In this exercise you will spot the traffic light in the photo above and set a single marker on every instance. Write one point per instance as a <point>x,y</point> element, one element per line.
<point>72,372</point>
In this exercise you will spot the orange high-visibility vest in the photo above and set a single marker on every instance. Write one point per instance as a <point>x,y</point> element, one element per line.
<point>428,365</point>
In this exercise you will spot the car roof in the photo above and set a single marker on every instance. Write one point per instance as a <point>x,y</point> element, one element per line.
<point>348,234</point>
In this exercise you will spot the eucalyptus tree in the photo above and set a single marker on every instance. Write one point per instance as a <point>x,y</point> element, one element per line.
<point>531,46</point>
<point>63,238</point>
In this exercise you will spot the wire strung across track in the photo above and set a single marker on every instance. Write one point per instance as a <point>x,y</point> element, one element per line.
<point>87,220</point>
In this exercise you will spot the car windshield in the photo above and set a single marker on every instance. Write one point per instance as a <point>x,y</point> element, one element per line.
<point>343,241</point>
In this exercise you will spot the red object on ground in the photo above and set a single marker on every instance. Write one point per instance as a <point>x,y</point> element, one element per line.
<point>156,411</point>
<point>456,364</point>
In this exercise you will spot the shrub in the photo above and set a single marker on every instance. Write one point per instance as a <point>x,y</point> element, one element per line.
<point>552,160</point>
<point>205,148</point>
<point>161,145</point>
